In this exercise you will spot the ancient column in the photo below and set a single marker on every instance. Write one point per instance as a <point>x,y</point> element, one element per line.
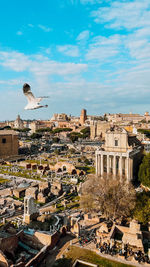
<point>96,163</point>
<point>102,165</point>
<point>99,165</point>
<point>127,168</point>
<point>120,165</point>
<point>114,165</point>
<point>131,168</point>
<point>108,168</point>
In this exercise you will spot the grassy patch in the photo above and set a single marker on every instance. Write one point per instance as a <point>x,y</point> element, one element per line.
<point>72,205</point>
<point>18,198</point>
<point>37,161</point>
<point>3,180</point>
<point>91,170</point>
<point>90,256</point>
<point>21,173</point>
<point>87,169</point>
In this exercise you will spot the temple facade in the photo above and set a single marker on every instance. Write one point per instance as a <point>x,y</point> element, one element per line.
<point>120,155</point>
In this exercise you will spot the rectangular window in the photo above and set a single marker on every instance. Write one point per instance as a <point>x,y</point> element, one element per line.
<point>4,140</point>
<point>116,142</point>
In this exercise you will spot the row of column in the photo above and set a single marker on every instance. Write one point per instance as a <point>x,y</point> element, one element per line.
<point>114,165</point>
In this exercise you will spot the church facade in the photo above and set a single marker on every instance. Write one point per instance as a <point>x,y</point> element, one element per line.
<point>120,155</point>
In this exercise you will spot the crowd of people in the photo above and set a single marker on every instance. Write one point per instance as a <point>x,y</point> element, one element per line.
<point>126,252</point>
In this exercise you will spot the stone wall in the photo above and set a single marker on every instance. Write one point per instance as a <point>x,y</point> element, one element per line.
<point>46,239</point>
<point>3,260</point>
<point>8,144</point>
<point>98,130</point>
<point>38,258</point>
<point>19,192</point>
<point>64,166</point>
<point>9,244</point>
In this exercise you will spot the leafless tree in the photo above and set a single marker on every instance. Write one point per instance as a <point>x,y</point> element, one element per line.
<point>114,198</point>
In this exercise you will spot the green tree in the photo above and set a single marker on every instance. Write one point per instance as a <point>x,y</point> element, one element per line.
<point>56,140</point>
<point>85,132</point>
<point>7,127</point>
<point>74,136</point>
<point>144,131</point>
<point>24,130</point>
<point>57,152</point>
<point>86,161</point>
<point>43,130</point>
<point>59,130</point>
<point>35,136</point>
<point>144,171</point>
<point>142,208</point>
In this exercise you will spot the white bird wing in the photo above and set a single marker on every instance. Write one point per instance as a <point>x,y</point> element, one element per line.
<point>27,92</point>
<point>33,102</point>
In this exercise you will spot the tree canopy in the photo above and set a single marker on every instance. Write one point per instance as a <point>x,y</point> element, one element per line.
<point>59,130</point>
<point>142,208</point>
<point>144,131</point>
<point>23,130</point>
<point>112,197</point>
<point>36,136</point>
<point>43,130</point>
<point>56,139</point>
<point>144,171</point>
<point>85,132</point>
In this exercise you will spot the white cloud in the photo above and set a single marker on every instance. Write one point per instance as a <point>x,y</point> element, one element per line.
<point>31,25</point>
<point>14,60</point>
<point>100,53</point>
<point>117,74</point>
<point>126,14</point>
<point>10,82</point>
<point>132,16</point>
<point>84,2</point>
<point>83,36</point>
<point>52,67</point>
<point>38,64</point>
<point>19,33</point>
<point>48,50</point>
<point>44,28</point>
<point>139,49</point>
<point>69,50</point>
<point>103,48</point>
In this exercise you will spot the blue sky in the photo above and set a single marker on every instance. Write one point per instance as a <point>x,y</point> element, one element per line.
<point>91,54</point>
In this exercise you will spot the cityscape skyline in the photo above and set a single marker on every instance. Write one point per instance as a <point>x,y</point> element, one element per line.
<point>90,54</point>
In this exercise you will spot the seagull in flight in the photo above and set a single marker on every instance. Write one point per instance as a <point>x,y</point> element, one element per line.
<point>33,102</point>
